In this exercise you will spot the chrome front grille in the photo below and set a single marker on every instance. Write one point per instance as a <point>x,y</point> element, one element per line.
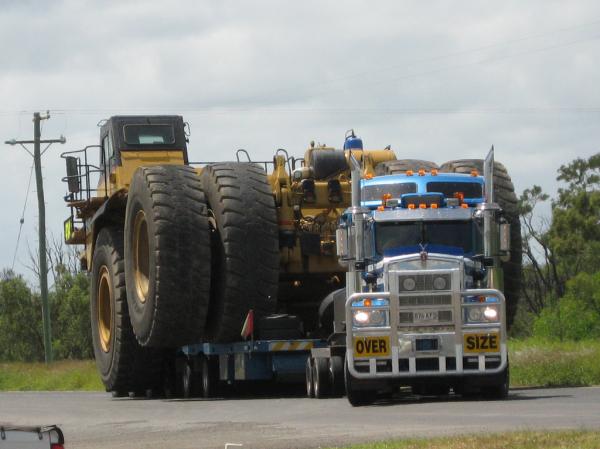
<point>433,300</point>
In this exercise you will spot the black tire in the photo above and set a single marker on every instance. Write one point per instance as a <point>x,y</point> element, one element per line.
<point>336,372</point>
<point>245,247</point>
<point>403,165</point>
<point>504,194</point>
<point>356,397</point>
<point>167,256</point>
<point>191,380</point>
<point>321,378</point>
<point>310,385</point>
<point>210,376</point>
<point>123,364</point>
<point>499,390</point>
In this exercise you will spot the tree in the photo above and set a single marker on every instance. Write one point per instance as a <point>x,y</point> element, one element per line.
<point>20,320</point>
<point>558,250</point>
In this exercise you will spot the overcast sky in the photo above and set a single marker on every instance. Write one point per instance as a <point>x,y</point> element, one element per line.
<point>434,80</point>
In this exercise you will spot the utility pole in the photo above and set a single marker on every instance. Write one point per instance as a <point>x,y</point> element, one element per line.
<point>43,261</point>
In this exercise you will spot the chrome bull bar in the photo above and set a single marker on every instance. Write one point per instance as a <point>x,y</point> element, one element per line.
<point>393,333</point>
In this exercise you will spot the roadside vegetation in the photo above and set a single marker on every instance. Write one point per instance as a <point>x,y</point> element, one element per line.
<point>65,375</point>
<point>511,440</point>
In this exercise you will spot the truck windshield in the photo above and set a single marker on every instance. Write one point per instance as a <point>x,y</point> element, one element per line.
<point>149,134</point>
<point>374,192</point>
<point>468,189</point>
<point>448,237</point>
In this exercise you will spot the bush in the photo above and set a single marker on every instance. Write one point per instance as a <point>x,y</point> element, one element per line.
<point>576,316</point>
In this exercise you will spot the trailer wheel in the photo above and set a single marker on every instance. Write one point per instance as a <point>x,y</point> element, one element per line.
<point>504,193</point>
<point>336,371</point>
<point>321,377</point>
<point>310,385</point>
<point>245,247</point>
<point>123,364</point>
<point>191,380</point>
<point>167,256</point>
<point>210,376</point>
<point>403,165</point>
<point>356,397</point>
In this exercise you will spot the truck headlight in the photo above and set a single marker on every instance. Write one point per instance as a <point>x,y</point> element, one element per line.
<point>481,314</point>
<point>369,318</point>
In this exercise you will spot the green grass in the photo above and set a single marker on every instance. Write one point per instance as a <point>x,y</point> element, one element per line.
<point>554,364</point>
<point>511,440</point>
<point>533,363</point>
<point>59,376</point>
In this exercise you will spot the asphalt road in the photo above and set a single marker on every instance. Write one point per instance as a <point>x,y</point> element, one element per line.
<point>95,420</point>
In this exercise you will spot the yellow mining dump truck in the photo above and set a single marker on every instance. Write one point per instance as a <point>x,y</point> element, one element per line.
<point>179,252</point>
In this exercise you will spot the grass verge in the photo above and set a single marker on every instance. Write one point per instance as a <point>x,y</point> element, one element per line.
<point>533,363</point>
<point>59,376</point>
<point>554,364</point>
<point>510,440</point>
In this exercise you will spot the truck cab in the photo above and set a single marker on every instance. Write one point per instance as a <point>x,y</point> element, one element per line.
<point>424,306</point>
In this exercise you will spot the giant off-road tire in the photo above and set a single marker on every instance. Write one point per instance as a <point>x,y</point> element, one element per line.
<point>403,165</point>
<point>245,246</point>
<point>124,365</point>
<point>167,256</point>
<point>504,194</point>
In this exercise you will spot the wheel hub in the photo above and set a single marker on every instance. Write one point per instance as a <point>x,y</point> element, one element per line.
<point>141,255</point>
<point>105,315</point>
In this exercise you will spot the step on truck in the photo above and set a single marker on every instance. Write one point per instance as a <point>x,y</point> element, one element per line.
<point>185,255</point>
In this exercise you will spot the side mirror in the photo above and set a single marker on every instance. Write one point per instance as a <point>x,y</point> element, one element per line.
<point>73,180</point>
<point>504,241</point>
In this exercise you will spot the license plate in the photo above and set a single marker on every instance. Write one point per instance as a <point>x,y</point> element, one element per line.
<point>489,342</point>
<point>372,346</point>
<point>425,317</point>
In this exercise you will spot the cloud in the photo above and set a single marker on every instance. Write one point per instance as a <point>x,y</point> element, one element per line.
<point>434,80</point>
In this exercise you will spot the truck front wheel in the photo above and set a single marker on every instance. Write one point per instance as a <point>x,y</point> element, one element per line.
<point>356,397</point>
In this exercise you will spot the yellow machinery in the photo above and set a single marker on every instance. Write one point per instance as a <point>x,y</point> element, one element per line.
<point>179,252</point>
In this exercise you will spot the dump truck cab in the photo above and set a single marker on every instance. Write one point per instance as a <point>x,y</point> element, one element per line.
<point>128,142</point>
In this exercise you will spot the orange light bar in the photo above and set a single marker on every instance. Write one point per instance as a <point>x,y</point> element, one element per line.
<point>421,172</point>
<point>409,172</point>
<point>381,208</point>
<point>434,206</point>
<point>422,206</point>
<point>464,205</point>
<point>474,173</point>
<point>368,176</point>
<point>367,302</point>
<point>411,206</point>
<point>434,172</point>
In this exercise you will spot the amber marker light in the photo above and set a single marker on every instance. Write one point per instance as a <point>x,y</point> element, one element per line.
<point>434,206</point>
<point>411,206</point>
<point>434,172</point>
<point>421,172</point>
<point>368,176</point>
<point>368,302</point>
<point>422,206</point>
<point>409,172</point>
<point>464,205</point>
<point>474,173</point>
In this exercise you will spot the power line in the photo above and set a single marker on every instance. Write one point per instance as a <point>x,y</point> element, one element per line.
<point>22,219</point>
